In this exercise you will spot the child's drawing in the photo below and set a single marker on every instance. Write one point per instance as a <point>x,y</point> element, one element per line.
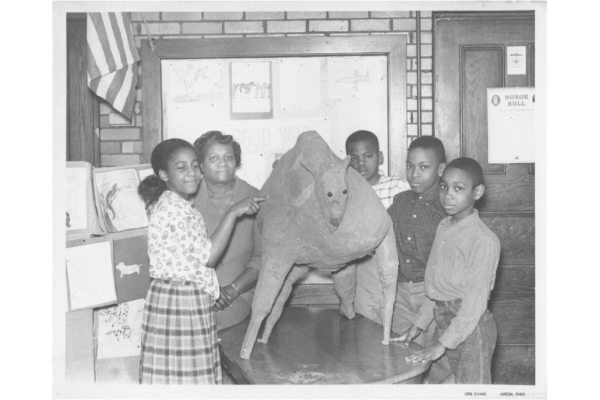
<point>128,269</point>
<point>355,78</point>
<point>251,87</point>
<point>119,330</point>
<point>110,197</point>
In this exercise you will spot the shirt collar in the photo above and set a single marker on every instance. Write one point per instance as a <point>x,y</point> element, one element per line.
<point>177,198</point>
<point>202,202</point>
<point>431,194</point>
<point>467,221</point>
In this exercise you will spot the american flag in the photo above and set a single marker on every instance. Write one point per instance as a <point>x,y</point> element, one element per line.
<point>112,58</point>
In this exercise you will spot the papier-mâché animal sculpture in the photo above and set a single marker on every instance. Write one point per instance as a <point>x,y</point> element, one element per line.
<point>321,215</point>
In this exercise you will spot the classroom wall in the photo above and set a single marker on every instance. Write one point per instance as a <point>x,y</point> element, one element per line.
<point>122,144</point>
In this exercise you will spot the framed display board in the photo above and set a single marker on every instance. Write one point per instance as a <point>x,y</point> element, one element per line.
<point>266,91</point>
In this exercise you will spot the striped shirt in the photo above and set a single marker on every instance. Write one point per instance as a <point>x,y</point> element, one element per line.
<point>388,187</point>
<point>462,265</point>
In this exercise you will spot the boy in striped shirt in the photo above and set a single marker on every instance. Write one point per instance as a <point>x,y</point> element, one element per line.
<point>460,274</point>
<point>365,157</point>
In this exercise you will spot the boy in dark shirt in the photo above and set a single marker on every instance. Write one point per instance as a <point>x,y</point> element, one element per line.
<point>415,215</point>
<point>459,277</point>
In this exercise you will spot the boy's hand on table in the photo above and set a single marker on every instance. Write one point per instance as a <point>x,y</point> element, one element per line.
<point>407,336</point>
<point>428,354</point>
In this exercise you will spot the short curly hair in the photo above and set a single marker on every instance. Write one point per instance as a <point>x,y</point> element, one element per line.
<point>430,143</point>
<point>203,142</point>
<point>470,167</point>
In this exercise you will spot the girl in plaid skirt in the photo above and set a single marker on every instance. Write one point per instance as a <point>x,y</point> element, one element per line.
<point>179,331</point>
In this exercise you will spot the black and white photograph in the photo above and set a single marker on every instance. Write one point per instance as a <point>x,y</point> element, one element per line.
<point>313,196</point>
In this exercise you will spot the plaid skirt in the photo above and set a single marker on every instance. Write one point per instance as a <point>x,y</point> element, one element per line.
<point>179,336</point>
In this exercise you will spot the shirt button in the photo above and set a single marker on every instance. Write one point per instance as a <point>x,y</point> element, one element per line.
<point>407,260</point>
<point>414,215</point>
<point>420,197</point>
<point>410,239</point>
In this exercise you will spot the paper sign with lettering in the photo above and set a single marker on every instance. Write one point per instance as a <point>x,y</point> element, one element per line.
<point>511,125</point>
<point>516,60</point>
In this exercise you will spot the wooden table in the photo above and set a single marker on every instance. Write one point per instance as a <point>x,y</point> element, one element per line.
<point>319,346</point>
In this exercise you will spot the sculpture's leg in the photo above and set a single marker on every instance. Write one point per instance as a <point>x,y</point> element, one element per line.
<point>344,282</point>
<point>387,264</point>
<point>276,263</point>
<point>296,273</point>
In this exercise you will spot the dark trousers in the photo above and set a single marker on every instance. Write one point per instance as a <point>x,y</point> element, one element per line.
<point>471,361</point>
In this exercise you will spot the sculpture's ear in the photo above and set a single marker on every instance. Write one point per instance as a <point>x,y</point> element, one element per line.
<point>312,168</point>
<point>346,162</point>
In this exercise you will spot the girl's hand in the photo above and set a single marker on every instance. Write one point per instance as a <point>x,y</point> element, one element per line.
<point>228,295</point>
<point>429,354</point>
<point>249,205</point>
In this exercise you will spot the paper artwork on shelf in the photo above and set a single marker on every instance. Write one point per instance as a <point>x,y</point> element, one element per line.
<point>119,330</point>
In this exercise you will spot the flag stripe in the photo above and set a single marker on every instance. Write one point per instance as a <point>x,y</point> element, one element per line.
<point>115,85</point>
<point>96,67</point>
<point>116,29</point>
<point>124,35</point>
<point>126,98</point>
<point>112,43</point>
<point>135,57</point>
<point>104,84</point>
<point>101,48</point>
<point>112,58</point>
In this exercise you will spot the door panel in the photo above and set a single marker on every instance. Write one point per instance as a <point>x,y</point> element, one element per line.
<point>481,68</point>
<point>470,56</point>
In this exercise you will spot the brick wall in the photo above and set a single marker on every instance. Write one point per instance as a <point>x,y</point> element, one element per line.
<point>122,144</point>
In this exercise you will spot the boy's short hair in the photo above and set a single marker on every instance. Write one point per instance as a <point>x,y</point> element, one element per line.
<point>469,167</point>
<point>430,143</point>
<point>362,136</point>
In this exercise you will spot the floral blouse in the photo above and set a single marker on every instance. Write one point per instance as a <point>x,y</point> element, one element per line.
<point>178,245</point>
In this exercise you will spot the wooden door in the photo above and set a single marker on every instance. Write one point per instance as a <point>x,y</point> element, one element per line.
<point>83,116</point>
<point>470,56</point>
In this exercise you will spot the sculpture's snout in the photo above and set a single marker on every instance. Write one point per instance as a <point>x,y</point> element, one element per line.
<point>335,221</point>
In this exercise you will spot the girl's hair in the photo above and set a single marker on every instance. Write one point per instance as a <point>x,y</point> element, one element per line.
<point>202,143</point>
<point>152,186</point>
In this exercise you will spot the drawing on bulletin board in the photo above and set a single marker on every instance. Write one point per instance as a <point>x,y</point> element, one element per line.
<point>119,330</point>
<point>251,90</point>
<point>198,83</point>
<point>354,77</point>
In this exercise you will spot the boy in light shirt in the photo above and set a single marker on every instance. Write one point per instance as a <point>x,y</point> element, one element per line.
<point>365,157</point>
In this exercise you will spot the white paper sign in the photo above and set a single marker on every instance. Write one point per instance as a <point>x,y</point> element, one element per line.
<point>90,273</point>
<point>516,60</point>
<point>511,125</point>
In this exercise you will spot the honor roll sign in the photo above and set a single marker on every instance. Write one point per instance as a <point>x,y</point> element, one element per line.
<point>511,125</point>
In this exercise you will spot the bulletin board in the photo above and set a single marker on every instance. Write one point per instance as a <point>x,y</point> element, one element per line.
<point>267,103</point>
<point>267,91</point>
